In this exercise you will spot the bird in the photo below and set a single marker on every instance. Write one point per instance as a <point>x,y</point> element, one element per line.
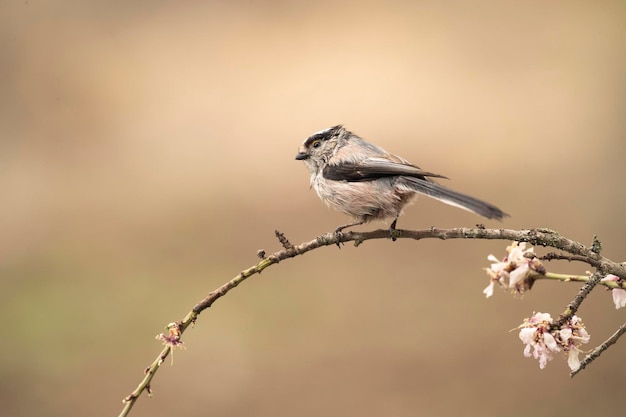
<point>367,183</point>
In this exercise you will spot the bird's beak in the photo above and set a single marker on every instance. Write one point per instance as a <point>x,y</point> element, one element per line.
<point>301,156</point>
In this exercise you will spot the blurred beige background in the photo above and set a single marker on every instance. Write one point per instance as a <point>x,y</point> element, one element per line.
<point>147,152</point>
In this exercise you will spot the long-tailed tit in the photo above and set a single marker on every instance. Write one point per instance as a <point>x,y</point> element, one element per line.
<point>366,182</point>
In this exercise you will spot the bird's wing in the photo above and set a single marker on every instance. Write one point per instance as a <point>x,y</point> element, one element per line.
<point>374,168</point>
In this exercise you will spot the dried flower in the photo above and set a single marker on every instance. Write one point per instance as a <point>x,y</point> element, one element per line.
<point>515,271</point>
<point>172,339</point>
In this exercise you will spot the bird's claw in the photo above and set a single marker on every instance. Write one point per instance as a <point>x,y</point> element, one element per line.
<point>339,237</point>
<point>393,232</point>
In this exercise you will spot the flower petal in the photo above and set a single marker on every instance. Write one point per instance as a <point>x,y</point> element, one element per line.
<point>527,335</point>
<point>550,342</point>
<point>565,334</point>
<point>619,297</point>
<point>489,290</point>
<point>572,359</point>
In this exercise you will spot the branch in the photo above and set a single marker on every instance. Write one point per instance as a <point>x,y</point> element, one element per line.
<point>558,256</point>
<point>536,237</point>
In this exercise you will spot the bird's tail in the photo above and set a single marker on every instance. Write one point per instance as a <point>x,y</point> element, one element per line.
<point>454,198</point>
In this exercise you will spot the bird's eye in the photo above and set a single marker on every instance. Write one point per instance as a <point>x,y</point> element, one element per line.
<point>316,144</point>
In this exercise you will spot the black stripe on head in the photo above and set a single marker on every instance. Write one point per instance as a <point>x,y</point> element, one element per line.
<point>325,134</point>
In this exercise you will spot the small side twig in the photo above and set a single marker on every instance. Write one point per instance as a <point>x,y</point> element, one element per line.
<point>572,307</point>
<point>283,240</point>
<point>594,354</point>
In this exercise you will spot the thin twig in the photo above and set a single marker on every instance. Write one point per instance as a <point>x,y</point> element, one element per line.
<point>283,240</point>
<point>573,306</point>
<point>598,351</point>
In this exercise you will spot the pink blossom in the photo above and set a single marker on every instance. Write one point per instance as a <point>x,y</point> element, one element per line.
<point>619,294</point>
<point>535,334</point>
<point>542,340</point>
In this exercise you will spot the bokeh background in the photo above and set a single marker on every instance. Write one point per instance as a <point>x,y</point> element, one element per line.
<point>147,152</point>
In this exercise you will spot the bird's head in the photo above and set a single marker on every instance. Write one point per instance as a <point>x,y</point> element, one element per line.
<point>317,149</point>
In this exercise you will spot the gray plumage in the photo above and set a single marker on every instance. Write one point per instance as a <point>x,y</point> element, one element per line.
<point>367,183</point>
